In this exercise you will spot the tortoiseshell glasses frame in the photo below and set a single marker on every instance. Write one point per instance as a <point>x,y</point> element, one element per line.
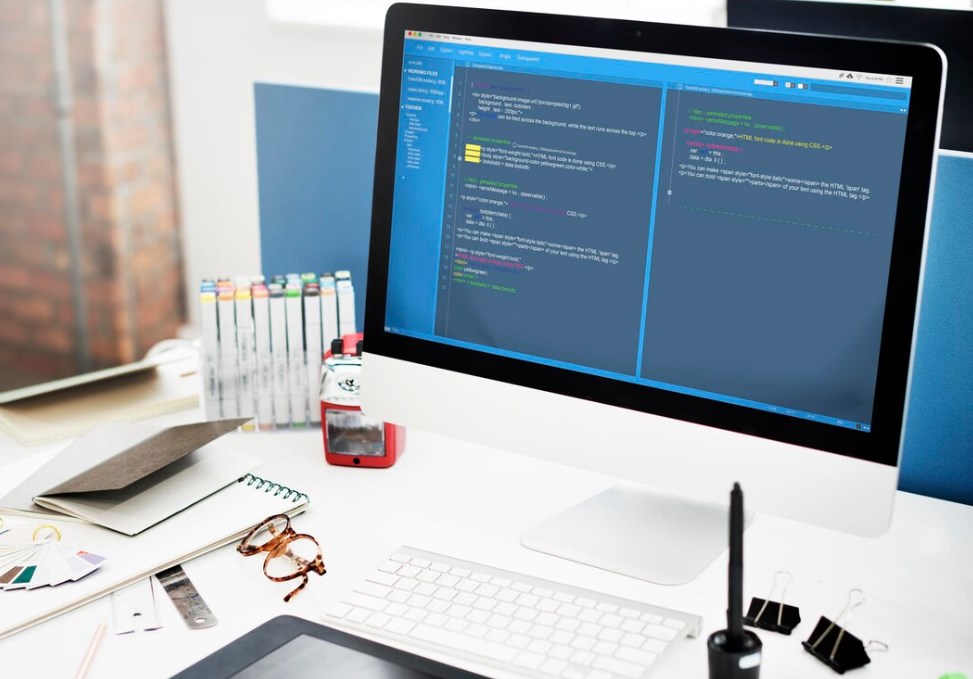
<point>289,553</point>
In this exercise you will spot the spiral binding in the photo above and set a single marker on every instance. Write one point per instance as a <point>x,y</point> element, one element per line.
<point>269,486</point>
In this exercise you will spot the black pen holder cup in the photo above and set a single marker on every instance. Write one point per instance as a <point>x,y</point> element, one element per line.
<point>742,661</point>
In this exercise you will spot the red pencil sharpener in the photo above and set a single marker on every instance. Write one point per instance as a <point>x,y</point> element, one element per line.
<point>351,438</point>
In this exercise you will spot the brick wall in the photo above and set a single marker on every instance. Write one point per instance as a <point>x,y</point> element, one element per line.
<point>129,257</point>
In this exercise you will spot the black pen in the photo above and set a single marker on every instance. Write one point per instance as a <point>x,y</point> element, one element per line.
<point>734,611</point>
<point>734,653</point>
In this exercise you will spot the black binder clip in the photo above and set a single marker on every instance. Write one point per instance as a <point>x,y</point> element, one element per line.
<point>775,616</point>
<point>833,645</point>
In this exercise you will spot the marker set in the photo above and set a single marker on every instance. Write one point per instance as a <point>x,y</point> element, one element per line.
<point>32,557</point>
<point>262,344</point>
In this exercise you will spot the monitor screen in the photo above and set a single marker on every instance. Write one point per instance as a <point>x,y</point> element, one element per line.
<point>950,29</point>
<point>720,228</point>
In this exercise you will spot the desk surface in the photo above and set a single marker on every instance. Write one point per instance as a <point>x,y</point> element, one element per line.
<point>473,503</point>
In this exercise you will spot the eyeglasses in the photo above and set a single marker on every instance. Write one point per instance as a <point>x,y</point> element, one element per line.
<point>289,554</point>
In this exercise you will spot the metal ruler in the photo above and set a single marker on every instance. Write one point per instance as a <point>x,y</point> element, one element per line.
<point>186,597</point>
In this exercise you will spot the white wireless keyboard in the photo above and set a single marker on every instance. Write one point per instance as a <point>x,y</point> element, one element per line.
<point>511,621</point>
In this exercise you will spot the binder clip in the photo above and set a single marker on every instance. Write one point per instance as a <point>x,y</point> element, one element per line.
<point>775,616</point>
<point>833,645</point>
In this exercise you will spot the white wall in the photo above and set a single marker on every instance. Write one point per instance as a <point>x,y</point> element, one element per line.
<point>217,50</point>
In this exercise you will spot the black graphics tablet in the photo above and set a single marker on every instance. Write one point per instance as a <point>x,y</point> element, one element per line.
<point>296,648</point>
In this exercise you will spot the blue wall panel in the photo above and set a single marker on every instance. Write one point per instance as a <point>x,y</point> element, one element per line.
<point>938,456</point>
<point>315,165</point>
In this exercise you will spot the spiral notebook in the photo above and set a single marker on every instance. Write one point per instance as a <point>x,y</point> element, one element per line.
<point>221,518</point>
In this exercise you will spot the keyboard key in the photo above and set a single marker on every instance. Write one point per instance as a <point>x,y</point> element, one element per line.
<point>477,629</point>
<point>583,643</point>
<point>585,602</point>
<point>563,597</point>
<point>424,588</point>
<point>401,558</point>
<point>378,620</point>
<point>502,583</point>
<point>484,604</point>
<point>358,615</point>
<point>456,625</point>
<point>421,563</point>
<point>660,632</point>
<point>400,626</point>
<point>390,567</point>
<point>365,601</point>
<point>399,596</point>
<point>478,616</point>
<point>497,635</point>
<point>415,614</point>
<point>428,576</point>
<point>418,601</point>
<point>589,615</point>
<point>629,613</point>
<point>338,610</point>
<point>460,572</point>
<point>439,567</point>
<point>529,660</point>
<point>444,594</point>
<point>437,606</point>
<point>651,618</point>
<point>674,623</point>
<point>548,605</point>
<point>633,640</point>
<point>409,571</point>
<point>457,611</point>
<point>632,625</point>
<point>435,620</point>
<point>527,600</point>
<point>604,648</point>
<point>480,577</point>
<point>611,620</point>
<point>606,607</point>
<point>583,657</point>
<point>382,578</point>
<point>518,640</point>
<point>539,646</point>
<point>447,580</point>
<point>371,589</point>
<point>499,621</point>
<point>406,584</point>
<point>464,599</point>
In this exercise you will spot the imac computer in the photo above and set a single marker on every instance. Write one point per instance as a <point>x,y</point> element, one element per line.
<point>677,256</point>
<point>948,29</point>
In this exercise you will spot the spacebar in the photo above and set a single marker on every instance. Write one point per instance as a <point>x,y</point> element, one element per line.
<point>461,642</point>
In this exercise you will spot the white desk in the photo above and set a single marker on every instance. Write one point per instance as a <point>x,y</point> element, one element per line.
<point>473,503</point>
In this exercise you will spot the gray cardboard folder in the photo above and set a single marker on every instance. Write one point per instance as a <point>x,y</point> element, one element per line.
<point>128,476</point>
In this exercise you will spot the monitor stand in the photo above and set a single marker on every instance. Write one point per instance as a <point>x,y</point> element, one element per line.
<point>663,539</point>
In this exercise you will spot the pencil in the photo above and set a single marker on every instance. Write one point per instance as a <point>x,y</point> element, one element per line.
<point>92,649</point>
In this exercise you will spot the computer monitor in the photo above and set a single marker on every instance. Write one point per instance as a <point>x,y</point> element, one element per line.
<point>949,29</point>
<point>677,256</point>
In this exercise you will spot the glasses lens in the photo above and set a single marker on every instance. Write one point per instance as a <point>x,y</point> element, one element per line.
<point>268,531</point>
<point>294,558</point>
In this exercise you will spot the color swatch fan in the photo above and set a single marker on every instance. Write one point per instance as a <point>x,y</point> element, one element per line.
<point>34,556</point>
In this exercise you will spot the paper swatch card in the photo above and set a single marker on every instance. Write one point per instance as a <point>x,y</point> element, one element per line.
<point>33,556</point>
